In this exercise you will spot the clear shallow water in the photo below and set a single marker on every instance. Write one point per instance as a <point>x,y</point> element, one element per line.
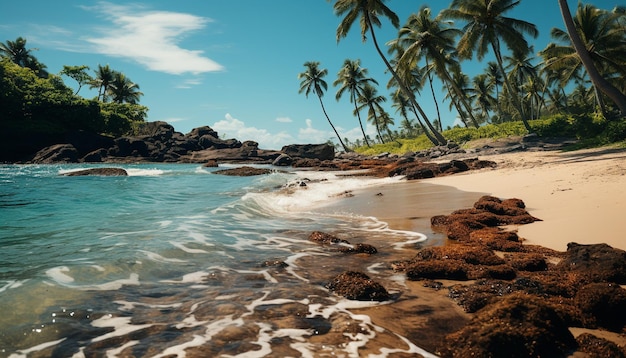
<point>169,262</point>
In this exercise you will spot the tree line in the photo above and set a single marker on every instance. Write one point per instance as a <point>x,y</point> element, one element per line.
<point>31,93</point>
<point>581,72</point>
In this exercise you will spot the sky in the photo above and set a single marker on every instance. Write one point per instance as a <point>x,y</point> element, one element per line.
<point>232,65</point>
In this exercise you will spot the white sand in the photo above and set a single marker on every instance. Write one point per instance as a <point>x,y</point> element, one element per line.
<point>580,195</point>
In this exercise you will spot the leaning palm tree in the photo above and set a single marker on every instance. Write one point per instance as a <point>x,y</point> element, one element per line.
<point>352,78</point>
<point>17,52</point>
<point>312,80</point>
<point>102,81</point>
<point>486,26</point>
<point>370,99</point>
<point>433,40</point>
<point>587,60</point>
<point>368,12</point>
<point>122,89</point>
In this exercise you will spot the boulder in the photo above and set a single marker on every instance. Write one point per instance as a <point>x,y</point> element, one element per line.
<point>283,160</point>
<point>158,129</point>
<point>58,153</point>
<point>201,131</point>
<point>244,171</point>
<point>597,262</point>
<point>310,151</point>
<point>98,171</point>
<point>86,142</point>
<point>96,156</point>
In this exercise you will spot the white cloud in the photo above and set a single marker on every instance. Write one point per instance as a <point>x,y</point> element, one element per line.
<point>151,38</point>
<point>313,135</point>
<point>189,83</point>
<point>283,120</point>
<point>231,127</point>
<point>174,120</point>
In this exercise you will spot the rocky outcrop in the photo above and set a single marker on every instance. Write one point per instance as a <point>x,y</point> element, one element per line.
<point>310,151</point>
<point>58,153</point>
<point>244,171</point>
<point>98,171</point>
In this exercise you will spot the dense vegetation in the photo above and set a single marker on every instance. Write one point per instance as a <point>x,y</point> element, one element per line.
<point>574,87</point>
<point>34,100</point>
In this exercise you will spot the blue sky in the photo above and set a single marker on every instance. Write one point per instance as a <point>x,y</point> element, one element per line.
<point>233,64</point>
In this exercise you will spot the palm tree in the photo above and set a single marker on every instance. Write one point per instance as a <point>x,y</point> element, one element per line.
<point>312,80</point>
<point>587,60</point>
<point>402,105</point>
<point>370,99</point>
<point>368,12</point>
<point>352,77</point>
<point>122,89</point>
<point>486,26</point>
<point>482,94</point>
<point>433,40</point>
<point>102,81</point>
<point>17,52</point>
<point>77,73</point>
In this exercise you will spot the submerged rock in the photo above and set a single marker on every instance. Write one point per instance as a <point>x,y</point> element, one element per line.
<point>244,171</point>
<point>98,171</point>
<point>355,285</point>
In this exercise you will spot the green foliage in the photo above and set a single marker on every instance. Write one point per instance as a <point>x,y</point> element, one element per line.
<point>119,119</point>
<point>577,126</point>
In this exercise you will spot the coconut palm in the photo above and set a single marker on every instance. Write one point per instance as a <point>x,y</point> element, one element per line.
<point>370,99</point>
<point>486,26</point>
<point>596,41</point>
<point>312,80</point>
<point>352,77</point>
<point>368,12</point>
<point>122,89</point>
<point>482,94</point>
<point>432,39</point>
<point>17,52</point>
<point>102,81</point>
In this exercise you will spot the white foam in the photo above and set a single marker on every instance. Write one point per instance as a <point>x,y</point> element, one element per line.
<point>10,284</point>
<point>129,306</point>
<point>194,277</point>
<point>113,353</point>
<point>58,275</point>
<point>121,326</point>
<point>188,250</point>
<point>25,352</point>
<point>158,258</point>
<point>144,172</point>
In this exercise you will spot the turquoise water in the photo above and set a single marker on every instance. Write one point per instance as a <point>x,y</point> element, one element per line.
<point>169,261</point>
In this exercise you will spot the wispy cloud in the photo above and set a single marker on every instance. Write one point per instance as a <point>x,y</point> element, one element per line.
<point>283,120</point>
<point>189,83</point>
<point>313,135</point>
<point>151,38</point>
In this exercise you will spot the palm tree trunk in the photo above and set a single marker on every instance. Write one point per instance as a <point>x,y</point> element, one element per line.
<point>600,82</point>
<point>356,109</point>
<point>380,136</point>
<point>432,90</point>
<point>331,124</point>
<point>513,94</point>
<point>461,96</point>
<point>440,140</point>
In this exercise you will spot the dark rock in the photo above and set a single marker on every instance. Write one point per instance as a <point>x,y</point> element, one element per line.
<point>597,262</point>
<point>283,160</point>
<point>599,347</point>
<point>211,164</point>
<point>432,270</point>
<point>244,171</point>
<point>98,171</point>
<point>420,173</point>
<point>358,249</point>
<point>519,325</point>
<point>86,142</point>
<point>355,285</point>
<point>325,239</point>
<point>96,156</point>
<point>129,146</point>
<point>201,131</point>
<point>58,153</point>
<point>158,129</point>
<point>604,305</point>
<point>310,151</point>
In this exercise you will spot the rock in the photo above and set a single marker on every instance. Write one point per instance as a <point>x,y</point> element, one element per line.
<point>244,171</point>
<point>310,151</point>
<point>129,147</point>
<point>159,130</point>
<point>325,239</point>
<point>283,160</point>
<point>211,164</point>
<point>355,285</point>
<point>98,171</point>
<point>96,156</point>
<point>358,249</point>
<point>599,347</point>
<point>58,153</point>
<point>604,305</point>
<point>87,142</point>
<point>519,325</point>
<point>597,262</point>
<point>201,131</point>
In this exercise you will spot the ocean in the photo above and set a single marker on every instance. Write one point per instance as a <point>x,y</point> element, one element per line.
<point>176,261</point>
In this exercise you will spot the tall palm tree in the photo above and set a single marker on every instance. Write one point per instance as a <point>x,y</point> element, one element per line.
<point>521,71</point>
<point>122,89</point>
<point>352,78</point>
<point>312,80</point>
<point>102,81</point>
<point>17,52</point>
<point>433,40</point>
<point>485,27</point>
<point>402,105</point>
<point>370,99</point>
<point>482,94</point>
<point>368,12</point>
<point>585,51</point>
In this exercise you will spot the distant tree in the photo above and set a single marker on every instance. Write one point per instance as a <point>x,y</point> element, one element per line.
<point>370,99</point>
<point>368,12</point>
<point>312,80</point>
<point>352,78</point>
<point>17,52</point>
<point>486,26</point>
<point>102,81</point>
<point>123,90</point>
<point>78,74</point>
